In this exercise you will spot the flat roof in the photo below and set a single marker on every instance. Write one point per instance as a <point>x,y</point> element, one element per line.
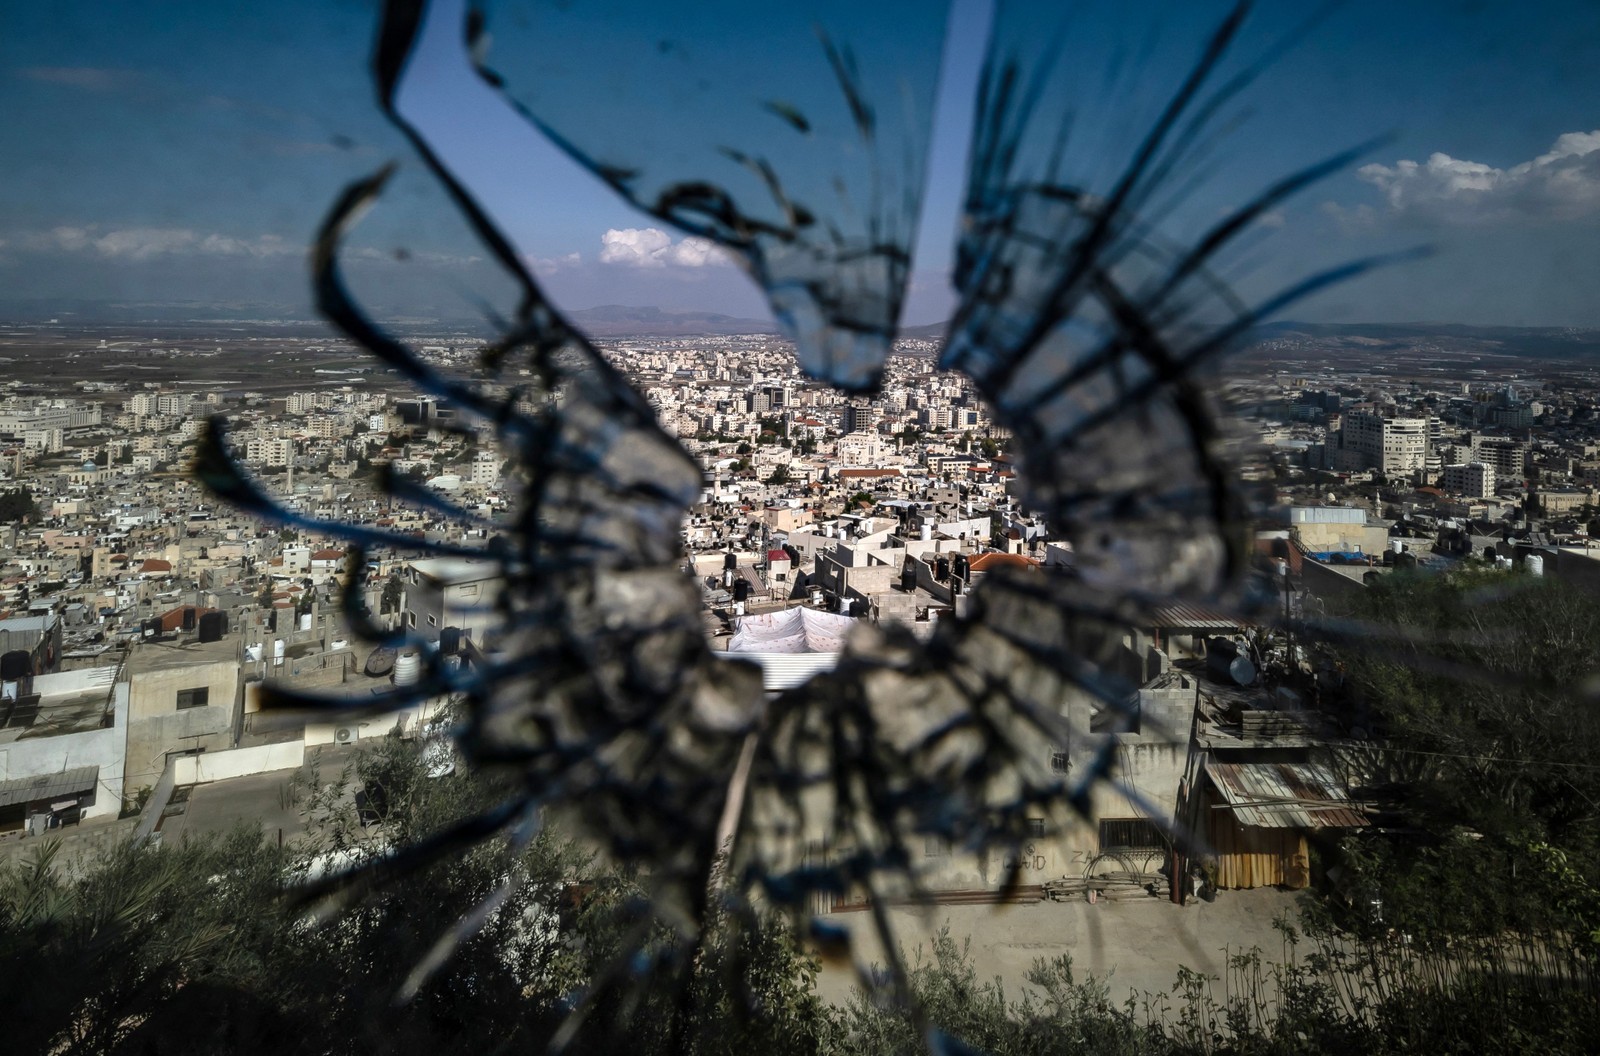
<point>452,570</point>
<point>69,702</point>
<point>159,654</point>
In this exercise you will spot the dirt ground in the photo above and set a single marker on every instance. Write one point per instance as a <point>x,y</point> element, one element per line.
<point>1134,945</point>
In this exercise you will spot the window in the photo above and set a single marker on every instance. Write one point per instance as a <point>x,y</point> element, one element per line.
<point>1128,834</point>
<point>193,698</point>
<point>411,619</point>
<point>433,621</point>
<point>1058,762</point>
<point>1036,828</point>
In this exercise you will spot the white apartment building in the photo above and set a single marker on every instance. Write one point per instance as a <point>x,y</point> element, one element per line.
<point>486,470</point>
<point>860,450</point>
<point>47,440</point>
<point>1389,445</point>
<point>1474,480</point>
<point>273,452</point>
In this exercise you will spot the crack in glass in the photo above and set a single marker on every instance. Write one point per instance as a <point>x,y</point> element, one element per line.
<point>794,140</point>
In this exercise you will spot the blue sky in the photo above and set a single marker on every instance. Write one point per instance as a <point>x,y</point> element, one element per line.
<point>185,151</point>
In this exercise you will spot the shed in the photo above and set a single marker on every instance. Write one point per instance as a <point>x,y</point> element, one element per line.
<point>1258,815</point>
<point>45,794</point>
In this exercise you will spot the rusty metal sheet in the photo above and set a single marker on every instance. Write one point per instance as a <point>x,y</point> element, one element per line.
<point>1284,795</point>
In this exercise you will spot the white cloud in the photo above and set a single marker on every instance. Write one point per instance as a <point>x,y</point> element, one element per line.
<point>1562,184</point>
<point>145,243</point>
<point>651,247</point>
<point>552,265</point>
<point>406,255</point>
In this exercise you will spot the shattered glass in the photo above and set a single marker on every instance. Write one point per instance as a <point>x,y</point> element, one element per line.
<point>794,139</point>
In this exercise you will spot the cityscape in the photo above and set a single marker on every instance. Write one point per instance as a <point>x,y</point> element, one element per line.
<point>985,527</point>
<point>144,615</point>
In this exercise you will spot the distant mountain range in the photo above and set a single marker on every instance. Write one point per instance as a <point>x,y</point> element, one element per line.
<point>1547,342</point>
<point>618,320</point>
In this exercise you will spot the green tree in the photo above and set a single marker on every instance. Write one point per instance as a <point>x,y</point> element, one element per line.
<point>203,946</point>
<point>393,590</point>
<point>1472,685</point>
<point>17,504</point>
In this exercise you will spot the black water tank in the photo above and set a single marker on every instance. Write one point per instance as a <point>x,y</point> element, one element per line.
<point>16,664</point>
<point>741,589</point>
<point>212,626</point>
<point>450,641</point>
<point>730,560</point>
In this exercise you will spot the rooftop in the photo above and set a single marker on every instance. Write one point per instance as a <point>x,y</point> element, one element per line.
<point>155,654</point>
<point>68,702</point>
<point>1284,795</point>
<point>451,570</point>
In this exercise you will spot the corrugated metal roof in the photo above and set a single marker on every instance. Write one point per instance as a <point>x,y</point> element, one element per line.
<point>786,670</point>
<point>48,786</point>
<point>1327,515</point>
<point>1284,795</point>
<point>1191,616</point>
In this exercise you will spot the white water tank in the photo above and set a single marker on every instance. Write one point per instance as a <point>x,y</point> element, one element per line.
<point>1534,564</point>
<point>407,669</point>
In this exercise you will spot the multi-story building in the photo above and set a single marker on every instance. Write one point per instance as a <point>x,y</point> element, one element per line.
<point>1507,456</point>
<point>19,416</point>
<point>486,470</point>
<point>177,403</point>
<point>451,593</point>
<point>1389,445</point>
<point>1475,480</point>
<point>857,416</point>
<point>269,452</point>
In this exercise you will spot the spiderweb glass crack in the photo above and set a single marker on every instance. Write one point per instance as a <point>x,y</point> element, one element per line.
<point>795,140</point>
